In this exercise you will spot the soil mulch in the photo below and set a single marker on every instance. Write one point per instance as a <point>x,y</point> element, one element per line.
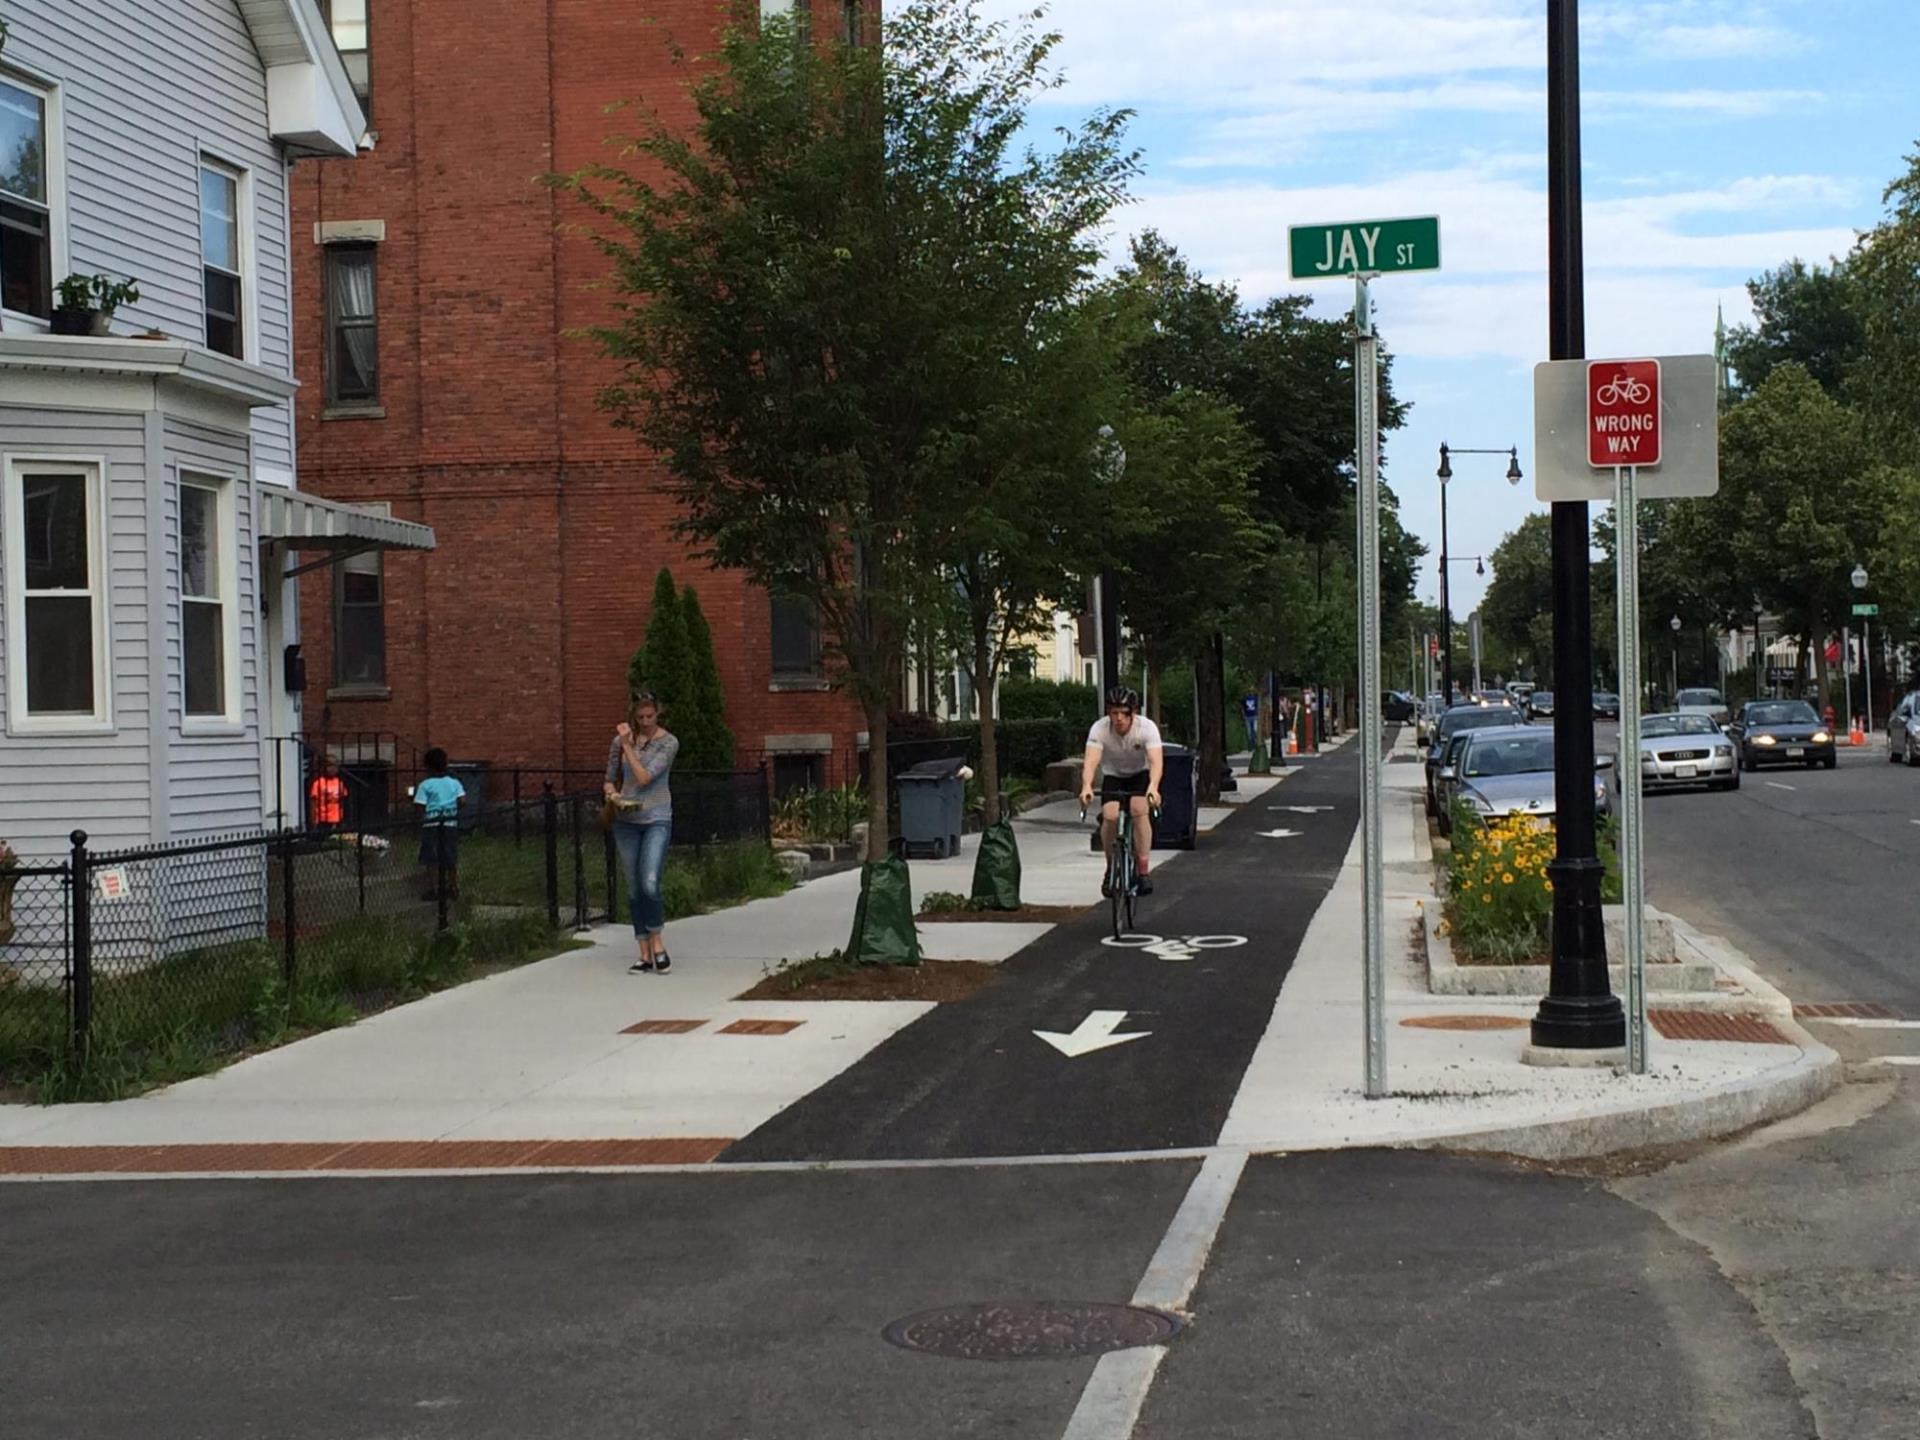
<point>1030,914</point>
<point>936,980</point>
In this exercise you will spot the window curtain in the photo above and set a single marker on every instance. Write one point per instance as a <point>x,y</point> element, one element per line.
<point>353,301</point>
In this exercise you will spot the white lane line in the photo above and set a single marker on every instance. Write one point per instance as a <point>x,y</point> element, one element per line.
<point>1859,1024</point>
<point>1775,784</point>
<point>1914,822</point>
<point>1896,1060</point>
<point>1110,1406</point>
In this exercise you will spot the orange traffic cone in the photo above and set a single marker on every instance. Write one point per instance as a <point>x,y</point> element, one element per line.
<point>1857,735</point>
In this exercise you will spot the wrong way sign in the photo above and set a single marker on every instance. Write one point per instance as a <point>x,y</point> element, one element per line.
<point>1623,413</point>
<point>1574,458</point>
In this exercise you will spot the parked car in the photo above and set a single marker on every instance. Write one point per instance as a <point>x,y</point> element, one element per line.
<point>1518,691</point>
<point>1606,705</point>
<point>1455,720</point>
<point>1508,770</point>
<point>1540,705</point>
<point>1710,703</point>
<point>1431,710</point>
<point>1683,749</point>
<point>1903,731</point>
<point>1781,732</point>
<point>1397,707</point>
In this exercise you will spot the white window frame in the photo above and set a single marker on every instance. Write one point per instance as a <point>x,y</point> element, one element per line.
<point>226,561</point>
<point>99,588</point>
<point>338,689</point>
<point>50,95</point>
<point>243,223</point>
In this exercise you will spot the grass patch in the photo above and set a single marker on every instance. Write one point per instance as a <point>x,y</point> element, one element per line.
<point>495,871</point>
<point>194,1012</point>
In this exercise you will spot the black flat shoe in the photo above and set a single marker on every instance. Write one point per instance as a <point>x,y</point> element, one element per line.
<point>663,964</point>
<point>640,967</point>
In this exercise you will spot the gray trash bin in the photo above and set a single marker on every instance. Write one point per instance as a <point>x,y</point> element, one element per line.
<point>932,799</point>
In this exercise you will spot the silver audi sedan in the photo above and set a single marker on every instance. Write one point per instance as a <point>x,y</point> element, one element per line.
<point>1677,750</point>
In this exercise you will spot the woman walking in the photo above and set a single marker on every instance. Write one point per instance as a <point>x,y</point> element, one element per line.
<point>637,769</point>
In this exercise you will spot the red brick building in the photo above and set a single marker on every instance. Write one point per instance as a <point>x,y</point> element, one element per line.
<point>435,283</point>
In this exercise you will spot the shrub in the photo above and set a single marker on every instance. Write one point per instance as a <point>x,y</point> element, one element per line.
<point>1022,698</point>
<point>1499,895</point>
<point>700,715</point>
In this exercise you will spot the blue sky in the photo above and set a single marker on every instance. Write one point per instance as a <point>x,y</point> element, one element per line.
<point>1722,137</point>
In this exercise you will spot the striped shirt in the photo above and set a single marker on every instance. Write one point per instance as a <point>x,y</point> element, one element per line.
<point>651,803</point>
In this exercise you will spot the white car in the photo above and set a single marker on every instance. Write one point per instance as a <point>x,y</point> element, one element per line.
<point>1685,749</point>
<point>1710,703</point>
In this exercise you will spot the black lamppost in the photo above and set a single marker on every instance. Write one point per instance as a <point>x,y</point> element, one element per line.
<point>1445,472</point>
<point>1108,591</point>
<point>1580,1011</point>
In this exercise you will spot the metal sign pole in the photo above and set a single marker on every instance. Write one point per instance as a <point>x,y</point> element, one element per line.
<point>1626,513</point>
<point>1366,383</point>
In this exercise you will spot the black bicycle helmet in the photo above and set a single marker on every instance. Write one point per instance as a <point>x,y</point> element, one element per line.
<point>1123,697</point>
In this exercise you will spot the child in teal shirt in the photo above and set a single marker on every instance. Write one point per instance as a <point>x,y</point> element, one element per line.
<point>439,796</point>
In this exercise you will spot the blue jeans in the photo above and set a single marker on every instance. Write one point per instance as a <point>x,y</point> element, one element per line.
<point>643,853</point>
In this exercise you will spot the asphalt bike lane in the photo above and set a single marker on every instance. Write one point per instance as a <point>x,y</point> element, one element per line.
<point>974,1079</point>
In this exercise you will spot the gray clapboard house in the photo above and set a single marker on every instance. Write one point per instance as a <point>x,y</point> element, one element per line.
<point>149,511</point>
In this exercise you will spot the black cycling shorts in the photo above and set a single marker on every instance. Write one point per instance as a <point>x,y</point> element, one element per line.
<point>1120,787</point>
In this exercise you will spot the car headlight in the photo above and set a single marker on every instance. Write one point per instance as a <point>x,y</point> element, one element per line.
<point>1765,740</point>
<point>1600,790</point>
<point>1821,737</point>
<point>1723,751</point>
<point>1484,807</point>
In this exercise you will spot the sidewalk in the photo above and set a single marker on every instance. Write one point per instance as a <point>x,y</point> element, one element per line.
<point>543,1052</point>
<point>574,1049</point>
<point>1467,1087</point>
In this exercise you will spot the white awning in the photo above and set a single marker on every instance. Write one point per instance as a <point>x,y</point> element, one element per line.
<point>306,522</point>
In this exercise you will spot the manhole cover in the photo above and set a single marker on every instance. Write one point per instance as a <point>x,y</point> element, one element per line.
<point>1467,1022</point>
<point>1044,1330</point>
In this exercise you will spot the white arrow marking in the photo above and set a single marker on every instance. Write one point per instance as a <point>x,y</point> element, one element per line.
<point>1318,809</point>
<point>1776,785</point>
<point>1093,1033</point>
<point>1281,834</point>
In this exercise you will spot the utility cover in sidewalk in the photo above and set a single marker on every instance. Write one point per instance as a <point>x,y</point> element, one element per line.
<point>1042,1330</point>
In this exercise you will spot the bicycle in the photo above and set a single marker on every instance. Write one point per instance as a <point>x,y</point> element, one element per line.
<point>1122,883</point>
<point>1624,389</point>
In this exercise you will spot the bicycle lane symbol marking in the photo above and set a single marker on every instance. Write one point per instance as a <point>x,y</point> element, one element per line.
<point>1174,947</point>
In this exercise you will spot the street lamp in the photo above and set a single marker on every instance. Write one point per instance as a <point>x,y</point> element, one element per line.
<point>1674,625</point>
<point>1106,599</point>
<point>1445,472</point>
<point>1859,578</point>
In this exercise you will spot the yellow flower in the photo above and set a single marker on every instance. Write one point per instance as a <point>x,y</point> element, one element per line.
<point>1487,899</point>
<point>1549,885</point>
<point>1507,879</point>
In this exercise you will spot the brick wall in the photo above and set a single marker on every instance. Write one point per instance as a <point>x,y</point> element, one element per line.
<point>510,641</point>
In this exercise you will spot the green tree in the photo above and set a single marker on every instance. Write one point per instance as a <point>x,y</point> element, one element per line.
<point>1886,271</point>
<point>1806,500</point>
<point>700,721</point>
<point>1518,605</point>
<point>661,662</point>
<point>1803,314</point>
<point>812,270</point>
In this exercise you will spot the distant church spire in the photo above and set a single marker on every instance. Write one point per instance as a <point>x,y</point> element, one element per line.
<point>1723,370</point>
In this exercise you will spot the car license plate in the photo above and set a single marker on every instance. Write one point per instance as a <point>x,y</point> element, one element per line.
<point>1685,772</point>
<point>1795,752</point>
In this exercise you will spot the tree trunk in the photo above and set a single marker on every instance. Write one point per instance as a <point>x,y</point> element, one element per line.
<point>1820,681</point>
<point>876,780</point>
<point>983,678</point>
<point>1152,698</point>
<point>1208,755</point>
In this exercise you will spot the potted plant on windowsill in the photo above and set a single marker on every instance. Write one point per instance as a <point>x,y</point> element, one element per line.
<point>87,303</point>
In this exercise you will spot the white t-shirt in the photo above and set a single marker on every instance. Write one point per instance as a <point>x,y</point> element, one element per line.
<point>1124,754</point>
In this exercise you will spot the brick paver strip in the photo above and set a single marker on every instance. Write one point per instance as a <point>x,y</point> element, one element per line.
<point>1467,1022</point>
<point>1845,1010</point>
<point>761,1027</point>
<point>1705,1025</point>
<point>374,1155</point>
<point>663,1027</point>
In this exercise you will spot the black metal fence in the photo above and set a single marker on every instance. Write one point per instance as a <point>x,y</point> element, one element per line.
<point>195,937</point>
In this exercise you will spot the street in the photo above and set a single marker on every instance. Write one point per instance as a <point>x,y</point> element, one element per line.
<point>1751,1291</point>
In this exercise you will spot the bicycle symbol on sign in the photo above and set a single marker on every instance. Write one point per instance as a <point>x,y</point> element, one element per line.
<point>1623,390</point>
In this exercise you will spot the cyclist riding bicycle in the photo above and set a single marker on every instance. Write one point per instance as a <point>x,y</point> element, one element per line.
<point>1124,751</point>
